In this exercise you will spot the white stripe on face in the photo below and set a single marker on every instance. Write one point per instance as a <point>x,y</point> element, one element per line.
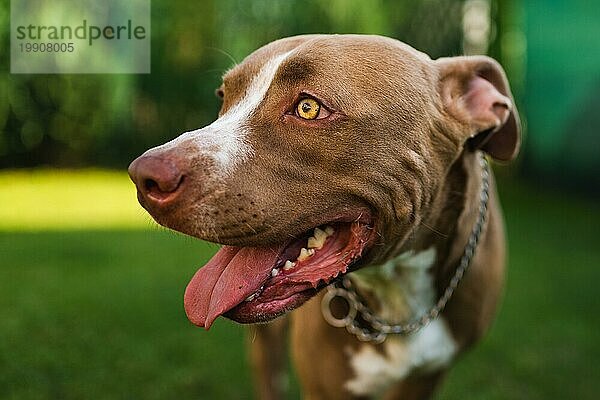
<point>225,139</point>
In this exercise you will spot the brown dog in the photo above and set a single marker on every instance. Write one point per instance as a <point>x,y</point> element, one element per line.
<point>353,163</point>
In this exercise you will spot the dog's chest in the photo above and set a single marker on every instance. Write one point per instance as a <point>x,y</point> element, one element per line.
<point>405,290</point>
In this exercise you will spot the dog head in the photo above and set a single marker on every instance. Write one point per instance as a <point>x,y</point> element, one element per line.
<point>327,152</point>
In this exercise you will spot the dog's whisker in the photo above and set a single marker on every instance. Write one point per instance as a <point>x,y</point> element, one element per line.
<point>251,228</point>
<point>432,229</point>
<point>218,50</point>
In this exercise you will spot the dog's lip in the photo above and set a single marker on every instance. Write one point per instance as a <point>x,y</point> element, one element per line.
<point>237,272</point>
<point>294,293</point>
<point>270,309</point>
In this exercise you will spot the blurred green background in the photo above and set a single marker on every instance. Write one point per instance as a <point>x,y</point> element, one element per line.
<point>91,290</point>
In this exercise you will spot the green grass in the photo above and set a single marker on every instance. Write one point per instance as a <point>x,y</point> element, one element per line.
<point>49,199</point>
<point>545,341</point>
<point>98,314</point>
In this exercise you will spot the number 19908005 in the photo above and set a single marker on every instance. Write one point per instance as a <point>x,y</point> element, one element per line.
<point>47,47</point>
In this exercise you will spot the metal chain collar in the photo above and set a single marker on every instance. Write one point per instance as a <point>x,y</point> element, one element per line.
<point>368,327</point>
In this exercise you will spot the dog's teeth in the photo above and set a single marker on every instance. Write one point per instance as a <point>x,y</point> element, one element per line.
<point>251,297</point>
<point>316,243</point>
<point>317,240</point>
<point>303,254</point>
<point>274,272</point>
<point>288,265</point>
<point>311,252</point>
<point>319,233</point>
<point>329,230</point>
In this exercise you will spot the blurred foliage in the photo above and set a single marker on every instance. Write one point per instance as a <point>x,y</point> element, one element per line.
<point>563,93</point>
<point>106,120</point>
<point>78,120</point>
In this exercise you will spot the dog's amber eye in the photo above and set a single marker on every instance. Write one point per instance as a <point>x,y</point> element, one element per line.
<point>308,108</point>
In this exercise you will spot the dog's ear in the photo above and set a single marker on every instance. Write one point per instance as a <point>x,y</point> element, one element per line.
<point>475,91</point>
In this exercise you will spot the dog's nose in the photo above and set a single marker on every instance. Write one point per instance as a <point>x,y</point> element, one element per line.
<point>157,179</point>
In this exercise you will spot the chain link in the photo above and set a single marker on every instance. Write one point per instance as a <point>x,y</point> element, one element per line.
<point>378,328</point>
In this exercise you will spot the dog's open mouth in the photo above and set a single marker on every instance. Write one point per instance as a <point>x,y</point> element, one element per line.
<point>257,284</point>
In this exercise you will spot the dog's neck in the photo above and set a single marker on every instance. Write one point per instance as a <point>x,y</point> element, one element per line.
<point>407,285</point>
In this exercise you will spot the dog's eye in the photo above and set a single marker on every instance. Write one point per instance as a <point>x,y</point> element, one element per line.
<point>308,108</point>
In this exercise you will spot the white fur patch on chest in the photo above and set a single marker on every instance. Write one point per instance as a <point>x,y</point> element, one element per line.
<point>405,289</point>
<point>225,139</point>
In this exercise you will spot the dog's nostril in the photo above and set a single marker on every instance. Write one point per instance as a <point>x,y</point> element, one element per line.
<point>161,189</point>
<point>150,185</point>
<point>158,179</point>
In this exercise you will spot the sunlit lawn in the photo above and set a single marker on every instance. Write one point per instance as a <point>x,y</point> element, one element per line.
<point>90,311</point>
<point>58,200</point>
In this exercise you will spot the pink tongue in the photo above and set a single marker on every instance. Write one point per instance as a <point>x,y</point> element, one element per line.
<point>231,276</point>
